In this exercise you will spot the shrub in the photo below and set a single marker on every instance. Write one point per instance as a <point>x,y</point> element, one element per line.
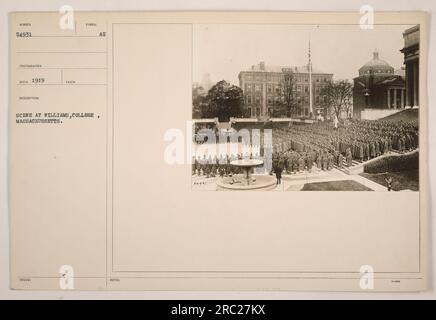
<point>393,164</point>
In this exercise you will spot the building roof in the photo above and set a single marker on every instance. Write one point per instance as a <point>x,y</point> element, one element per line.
<point>391,80</point>
<point>262,67</point>
<point>411,30</point>
<point>376,66</point>
<point>411,39</point>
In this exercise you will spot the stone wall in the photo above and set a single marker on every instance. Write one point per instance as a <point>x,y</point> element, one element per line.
<point>375,114</point>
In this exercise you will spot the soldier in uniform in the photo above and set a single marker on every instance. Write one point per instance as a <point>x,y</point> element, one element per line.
<point>400,147</point>
<point>349,158</point>
<point>388,181</point>
<point>227,166</point>
<point>361,153</point>
<point>208,167</point>
<point>340,160</point>
<point>278,170</point>
<point>300,164</point>
<point>371,150</point>
<point>213,166</point>
<point>366,150</point>
<point>309,162</point>
<point>286,162</point>
<point>197,165</point>
<point>318,160</point>
<point>324,160</point>
<point>377,148</point>
<point>275,162</point>
<point>330,161</point>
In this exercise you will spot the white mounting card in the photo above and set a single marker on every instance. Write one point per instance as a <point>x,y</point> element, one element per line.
<point>129,167</point>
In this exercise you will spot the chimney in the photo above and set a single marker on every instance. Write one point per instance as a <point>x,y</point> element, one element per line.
<point>262,65</point>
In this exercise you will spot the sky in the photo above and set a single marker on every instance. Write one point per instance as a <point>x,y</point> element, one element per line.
<point>223,50</point>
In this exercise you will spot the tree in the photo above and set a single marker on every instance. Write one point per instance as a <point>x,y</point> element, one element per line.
<point>287,91</point>
<point>224,101</point>
<point>199,102</point>
<point>339,96</point>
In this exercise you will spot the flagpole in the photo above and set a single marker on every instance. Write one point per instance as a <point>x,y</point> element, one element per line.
<point>310,82</point>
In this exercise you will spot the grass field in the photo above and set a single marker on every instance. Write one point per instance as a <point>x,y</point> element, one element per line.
<point>342,185</point>
<point>400,180</point>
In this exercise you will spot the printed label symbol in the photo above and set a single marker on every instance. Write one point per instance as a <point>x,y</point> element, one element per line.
<point>66,280</point>
<point>366,277</point>
<point>66,21</point>
<point>367,20</point>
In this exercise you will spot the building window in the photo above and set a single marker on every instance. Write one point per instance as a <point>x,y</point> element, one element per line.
<point>277,89</point>
<point>249,112</point>
<point>257,100</point>
<point>298,88</point>
<point>325,99</point>
<point>317,99</point>
<point>270,100</point>
<point>306,80</point>
<point>249,87</point>
<point>257,87</point>
<point>248,99</point>
<point>277,100</point>
<point>257,111</point>
<point>269,88</point>
<point>306,89</point>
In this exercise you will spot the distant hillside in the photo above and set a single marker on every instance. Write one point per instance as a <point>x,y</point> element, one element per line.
<point>405,115</point>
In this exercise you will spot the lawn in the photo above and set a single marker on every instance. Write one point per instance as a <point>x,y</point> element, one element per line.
<point>342,185</point>
<point>408,179</point>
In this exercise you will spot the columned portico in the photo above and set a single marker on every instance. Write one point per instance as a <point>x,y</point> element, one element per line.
<point>395,98</point>
<point>403,97</point>
<point>411,60</point>
<point>416,84</point>
<point>389,98</point>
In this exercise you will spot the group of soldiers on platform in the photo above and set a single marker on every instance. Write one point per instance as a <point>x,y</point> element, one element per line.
<point>218,165</point>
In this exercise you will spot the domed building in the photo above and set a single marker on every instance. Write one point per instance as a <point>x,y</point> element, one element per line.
<point>376,66</point>
<point>378,91</point>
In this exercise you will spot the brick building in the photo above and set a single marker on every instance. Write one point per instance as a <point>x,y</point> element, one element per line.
<point>262,87</point>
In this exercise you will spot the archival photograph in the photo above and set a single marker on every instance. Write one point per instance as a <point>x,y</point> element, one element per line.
<point>305,108</point>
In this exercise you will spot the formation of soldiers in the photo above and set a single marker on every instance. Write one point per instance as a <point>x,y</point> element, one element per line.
<point>302,147</point>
